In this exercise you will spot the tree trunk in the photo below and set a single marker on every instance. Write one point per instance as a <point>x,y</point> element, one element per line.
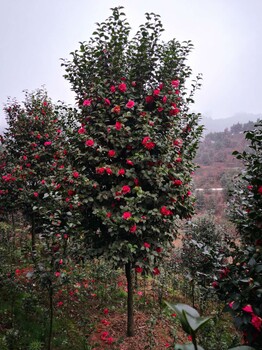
<point>33,245</point>
<point>130,307</point>
<point>51,317</point>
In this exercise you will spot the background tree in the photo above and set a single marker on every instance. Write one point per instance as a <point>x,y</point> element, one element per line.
<point>203,252</point>
<point>135,142</point>
<point>239,283</point>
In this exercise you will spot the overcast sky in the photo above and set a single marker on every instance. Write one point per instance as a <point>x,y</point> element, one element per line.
<point>226,34</point>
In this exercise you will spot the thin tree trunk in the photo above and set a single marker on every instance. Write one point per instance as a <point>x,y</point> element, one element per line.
<point>130,306</point>
<point>51,317</point>
<point>33,248</point>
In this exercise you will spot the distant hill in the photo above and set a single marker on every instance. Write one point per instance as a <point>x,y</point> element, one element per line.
<point>218,125</point>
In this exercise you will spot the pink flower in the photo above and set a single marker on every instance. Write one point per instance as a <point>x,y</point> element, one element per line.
<point>111,153</point>
<point>126,215</point>
<point>147,245</point>
<point>156,271</point>
<point>158,249</point>
<point>133,229</point>
<point>42,182</point>
<point>24,157</point>
<point>150,145</point>
<point>164,99</point>
<point>248,308</point>
<point>107,102</point>
<point>121,171</point>
<point>126,189</point>
<point>90,143</point>
<point>175,83</point>
<point>118,126</point>
<point>231,304</point>
<point>259,190</point>
<point>45,103</point>
<point>129,162</point>
<point>36,194</point>
<point>122,87</point>
<point>139,269</point>
<point>87,102</point>
<point>112,88</point>
<point>59,304</point>
<point>48,143</point>
<point>156,92</point>
<point>81,130</point>
<point>106,311</point>
<point>57,274</point>
<point>130,104</point>
<point>256,322</point>
<point>75,174</point>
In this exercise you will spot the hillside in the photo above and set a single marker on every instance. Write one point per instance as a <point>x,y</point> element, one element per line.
<point>217,166</point>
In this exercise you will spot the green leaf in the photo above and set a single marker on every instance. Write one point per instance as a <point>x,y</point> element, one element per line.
<point>196,322</point>
<point>242,347</point>
<point>187,347</point>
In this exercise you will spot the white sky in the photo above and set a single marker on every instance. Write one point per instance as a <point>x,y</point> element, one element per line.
<point>227,34</point>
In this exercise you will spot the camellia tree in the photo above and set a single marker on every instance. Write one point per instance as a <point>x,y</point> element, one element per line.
<point>38,183</point>
<point>240,283</point>
<point>135,143</point>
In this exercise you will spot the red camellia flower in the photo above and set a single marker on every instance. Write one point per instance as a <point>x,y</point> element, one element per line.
<point>215,284</point>
<point>248,308</point>
<point>121,171</point>
<point>81,130</point>
<point>126,189</point>
<point>174,111</point>
<point>112,88</point>
<point>133,229</point>
<point>256,322</point>
<point>130,104</point>
<point>109,171</point>
<point>156,92</point>
<point>259,190</point>
<point>116,109</point>
<point>36,194</point>
<point>126,215</point>
<point>75,174</point>
<point>87,102</point>
<point>48,143</point>
<point>146,245</point>
<point>129,162</point>
<point>175,83</point>
<point>107,101</point>
<point>118,126</point>
<point>158,249</point>
<point>105,311</point>
<point>177,182</point>
<point>149,99</point>
<point>90,143</point>
<point>100,170</point>
<point>139,269</point>
<point>156,271</point>
<point>165,211</point>
<point>111,153</point>
<point>122,87</point>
